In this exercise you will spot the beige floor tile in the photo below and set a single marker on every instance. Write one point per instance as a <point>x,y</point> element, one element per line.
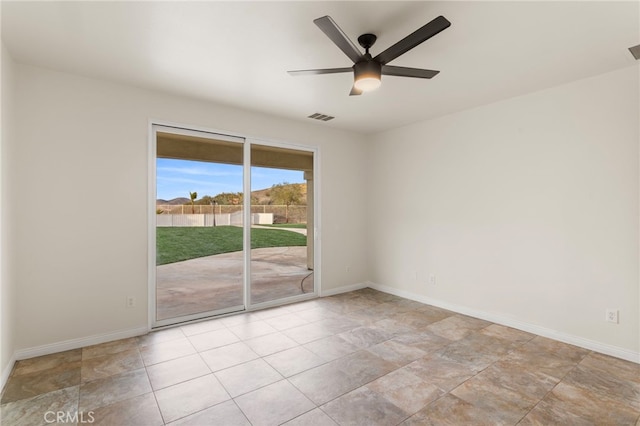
<point>315,417</point>
<point>456,327</point>
<point>555,348</point>
<point>224,414</point>
<point>364,337</point>
<point>486,394</point>
<point>176,371</point>
<point>531,385</point>
<point>364,407</point>
<point>452,411</point>
<point>435,313</point>
<point>48,362</point>
<point>189,397</point>
<point>160,336</point>
<point>476,350</point>
<point>507,333</point>
<point>567,404</point>
<point>293,361</point>
<point>396,352</point>
<point>406,390</point>
<point>246,377</point>
<point>167,350</point>
<point>101,392</point>
<point>284,322</point>
<point>227,356</point>
<point>213,339</point>
<point>109,348</point>
<point>393,327</point>
<point>241,318</point>
<point>424,340</point>
<point>442,372</point>
<point>202,327</point>
<point>367,357</point>
<point>252,330</point>
<point>600,382</point>
<point>308,332</point>
<point>271,343</point>
<point>28,385</point>
<point>315,314</point>
<point>108,365</point>
<point>140,410</point>
<point>38,410</point>
<point>337,325</point>
<point>332,347</point>
<point>364,366</point>
<point>525,358</point>
<point>265,314</point>
<point>419,319</point>
<point>324,383</point>
<point>618,368</point>
<point>274,404</point>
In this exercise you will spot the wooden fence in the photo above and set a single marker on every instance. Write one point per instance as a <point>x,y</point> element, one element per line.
<point>297,214</point>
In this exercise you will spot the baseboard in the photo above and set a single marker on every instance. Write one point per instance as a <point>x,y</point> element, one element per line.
<point>343,289</point>
<point>7,372</point>
<point>78,343</point>
<point>593,345</point>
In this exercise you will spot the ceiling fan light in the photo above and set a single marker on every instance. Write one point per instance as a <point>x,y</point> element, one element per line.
<point>367,75</point>
<point>367,84</point>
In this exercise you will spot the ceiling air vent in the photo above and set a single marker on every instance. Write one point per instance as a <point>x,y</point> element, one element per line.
<point>321,117</point>
<point>635,51</point>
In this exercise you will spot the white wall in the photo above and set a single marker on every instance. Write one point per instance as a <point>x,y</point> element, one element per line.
<point>7,285</point>
<point>525,210</point>
<point>85,141</point>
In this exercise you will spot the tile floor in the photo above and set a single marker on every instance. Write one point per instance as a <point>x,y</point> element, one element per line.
<point>361,358</point>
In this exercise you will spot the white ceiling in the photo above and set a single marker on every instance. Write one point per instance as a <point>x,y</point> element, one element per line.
<point>237,53</point>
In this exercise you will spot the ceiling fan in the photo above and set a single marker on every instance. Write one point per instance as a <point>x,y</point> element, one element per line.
<point>368,70</point>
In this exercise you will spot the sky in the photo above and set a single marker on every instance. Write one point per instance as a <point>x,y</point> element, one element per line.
<point>176,178</point>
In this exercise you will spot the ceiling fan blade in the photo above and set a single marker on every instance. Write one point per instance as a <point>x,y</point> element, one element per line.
<point>333,31</point>
<point>412,40</point>
<point>408,72</point>
<point>355,92</point>
<point>320,71</point>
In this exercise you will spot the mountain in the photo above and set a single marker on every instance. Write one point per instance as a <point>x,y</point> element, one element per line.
<point>175,202</point>
<point>262,196</point>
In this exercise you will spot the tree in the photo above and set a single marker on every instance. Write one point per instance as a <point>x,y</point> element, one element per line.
<point>229,198</point>
<point>287,194</point>
<point>193,196</point>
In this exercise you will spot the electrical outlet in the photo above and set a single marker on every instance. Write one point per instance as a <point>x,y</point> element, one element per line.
<point>612,316</point>
<point>432,279</point>
<point>131,302</point>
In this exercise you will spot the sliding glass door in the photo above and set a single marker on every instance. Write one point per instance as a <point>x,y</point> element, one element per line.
<point>199,225</point>
<point>234,225</point>
<point>282,223</point>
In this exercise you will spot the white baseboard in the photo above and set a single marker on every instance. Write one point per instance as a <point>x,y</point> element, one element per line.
<point>7,372</point>
<point>593,345</point>
<point>78,343</point>
<point>343,289</point>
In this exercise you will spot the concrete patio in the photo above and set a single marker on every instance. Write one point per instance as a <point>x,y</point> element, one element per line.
<point>215,282</point>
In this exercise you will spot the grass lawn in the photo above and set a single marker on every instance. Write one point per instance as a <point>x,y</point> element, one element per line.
<point>183,243</point>
<point>288,225</point>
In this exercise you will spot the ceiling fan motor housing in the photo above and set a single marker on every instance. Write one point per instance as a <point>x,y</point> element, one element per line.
<point>367,69</point>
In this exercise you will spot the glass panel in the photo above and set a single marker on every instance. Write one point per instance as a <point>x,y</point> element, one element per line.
<point>281,217</point>
<point>199,232</point>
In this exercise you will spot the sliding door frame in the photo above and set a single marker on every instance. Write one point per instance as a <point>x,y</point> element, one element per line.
<point>248,141</point>
<point>316,224</point>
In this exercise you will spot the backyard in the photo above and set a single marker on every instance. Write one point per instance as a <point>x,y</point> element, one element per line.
<point>175,244</point>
